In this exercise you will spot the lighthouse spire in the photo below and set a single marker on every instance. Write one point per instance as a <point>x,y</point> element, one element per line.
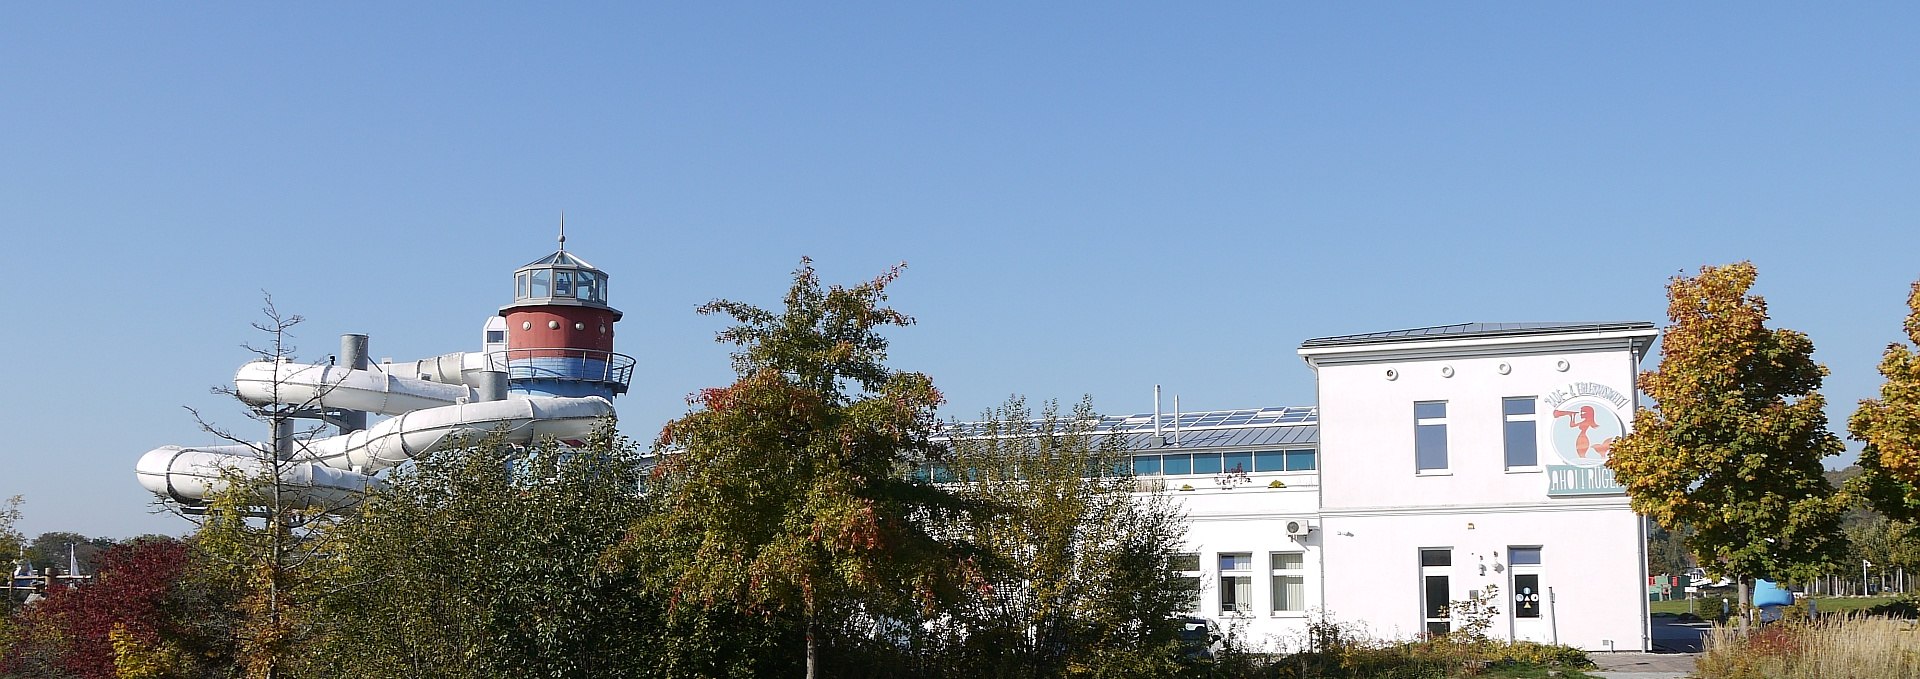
<point>563,230</point>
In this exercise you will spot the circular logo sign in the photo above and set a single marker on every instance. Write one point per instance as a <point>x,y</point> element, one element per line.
<point>1584,430</point>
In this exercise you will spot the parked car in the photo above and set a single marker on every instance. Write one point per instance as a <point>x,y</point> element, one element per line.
<point>1200,638</point>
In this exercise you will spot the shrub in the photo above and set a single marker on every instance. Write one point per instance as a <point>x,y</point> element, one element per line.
<point>1825,648</point>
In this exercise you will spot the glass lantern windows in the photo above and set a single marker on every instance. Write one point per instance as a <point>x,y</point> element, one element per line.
<point>587,286</point>
<point>582,284</point>
<point>542,283</point>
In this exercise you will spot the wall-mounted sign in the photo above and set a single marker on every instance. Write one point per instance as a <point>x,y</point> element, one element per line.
<point>1586,418</point>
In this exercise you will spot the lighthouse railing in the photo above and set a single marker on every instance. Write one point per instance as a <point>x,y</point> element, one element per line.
<point>563,363</point>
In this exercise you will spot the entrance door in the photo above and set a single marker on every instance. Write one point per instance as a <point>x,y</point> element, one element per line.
<point>1436,593</point>
<point>1527,595</point>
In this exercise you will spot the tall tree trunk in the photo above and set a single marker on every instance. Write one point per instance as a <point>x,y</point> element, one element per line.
<point>811,648</point>
<point>1740,607</point>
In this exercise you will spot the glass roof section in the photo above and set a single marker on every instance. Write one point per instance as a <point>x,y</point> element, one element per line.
<point>560,258</point>
<point>1214,420</point>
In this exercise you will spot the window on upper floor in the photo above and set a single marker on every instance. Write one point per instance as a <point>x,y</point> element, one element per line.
<point>1430,436</point>
<point>1522,439</point>
<point>1296,460</point>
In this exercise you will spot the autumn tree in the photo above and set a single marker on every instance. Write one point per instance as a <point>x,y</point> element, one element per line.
<point>1082,576</point>
<point>1733,447</point>
<point>1890,427</point>
<point>780,493</point>
<point>137,617</point>
<point>260,538</point>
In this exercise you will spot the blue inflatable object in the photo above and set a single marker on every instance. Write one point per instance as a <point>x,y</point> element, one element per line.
<point>1766,593</point>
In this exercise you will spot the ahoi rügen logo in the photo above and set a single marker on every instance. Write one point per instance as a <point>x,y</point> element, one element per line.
<point>1583,420</point>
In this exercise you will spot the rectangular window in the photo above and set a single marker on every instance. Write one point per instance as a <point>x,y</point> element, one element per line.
<point>1430,436</point>
<point>496,336</point>
<point>520,285</point>
<point>1175,465</point>
<point>1436,557</point>
<point>1188,566</point>
<point>1299,460</point>
<point>563,283</point>
<point>1206,463</point>
<point>1523,556</point>
<point>1236,582</point>
<point>1236,462</point>
<point>1146,465</point>
<point>1288,570</point>
<point>1523,443</point>
<point>540,283</point>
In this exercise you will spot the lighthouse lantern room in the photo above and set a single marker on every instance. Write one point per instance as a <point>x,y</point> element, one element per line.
<point>559,331</point>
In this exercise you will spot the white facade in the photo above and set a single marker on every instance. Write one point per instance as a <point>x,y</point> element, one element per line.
<point>1448,460</point>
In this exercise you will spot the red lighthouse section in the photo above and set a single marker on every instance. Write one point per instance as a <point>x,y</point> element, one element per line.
<point>560,331</point>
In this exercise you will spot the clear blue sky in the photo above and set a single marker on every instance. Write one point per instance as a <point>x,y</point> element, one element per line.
<point>1091,197</point>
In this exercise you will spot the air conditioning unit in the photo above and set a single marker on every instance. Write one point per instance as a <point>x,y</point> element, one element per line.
<point>1298,527</point>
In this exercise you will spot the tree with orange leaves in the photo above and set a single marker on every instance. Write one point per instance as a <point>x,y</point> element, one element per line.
<point>783,494</point>
<point>1732,448</point>
<point>1890,426</point>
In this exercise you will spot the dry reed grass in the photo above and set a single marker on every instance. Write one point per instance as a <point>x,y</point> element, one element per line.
<point>1832,647</point>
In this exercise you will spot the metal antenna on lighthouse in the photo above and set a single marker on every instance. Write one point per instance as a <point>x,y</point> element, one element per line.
<point>563,230</point>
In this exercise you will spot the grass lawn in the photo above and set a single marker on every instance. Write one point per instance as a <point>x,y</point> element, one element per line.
<point>1711,607</point>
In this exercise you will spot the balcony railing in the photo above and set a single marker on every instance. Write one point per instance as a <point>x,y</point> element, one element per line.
<point>554,363</point>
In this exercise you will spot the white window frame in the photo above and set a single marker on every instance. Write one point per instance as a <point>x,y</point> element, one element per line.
<point>1444,615</point>
<point>1533,417</point>
<point>1274,575</point>
<point>1446,436</point>
<point>1197,576</point>
<point>1240,608</point>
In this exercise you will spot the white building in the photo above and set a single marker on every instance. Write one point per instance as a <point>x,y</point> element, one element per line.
<point>1439,462</point>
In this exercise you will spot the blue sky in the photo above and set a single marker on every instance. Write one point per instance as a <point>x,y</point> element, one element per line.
<point>1092,198</point>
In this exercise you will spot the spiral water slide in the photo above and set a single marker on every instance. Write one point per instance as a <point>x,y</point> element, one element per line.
<point>433,408</point>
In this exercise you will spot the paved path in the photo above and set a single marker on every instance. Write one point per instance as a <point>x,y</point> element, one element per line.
<point>1642,665</point>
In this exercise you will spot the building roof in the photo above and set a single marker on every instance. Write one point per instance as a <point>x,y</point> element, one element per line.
<point>1472,330</point>
<point>560,258</point>
<point>1281,426</point>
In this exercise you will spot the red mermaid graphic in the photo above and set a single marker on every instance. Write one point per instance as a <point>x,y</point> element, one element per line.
<point>1582,420</point>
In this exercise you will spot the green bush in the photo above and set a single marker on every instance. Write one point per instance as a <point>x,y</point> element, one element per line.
<point>1906,606</point>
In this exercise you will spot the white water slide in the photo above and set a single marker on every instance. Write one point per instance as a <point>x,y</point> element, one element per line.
<point>427,414</point>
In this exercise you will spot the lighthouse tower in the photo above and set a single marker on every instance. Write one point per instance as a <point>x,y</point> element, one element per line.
<point>559,331</point>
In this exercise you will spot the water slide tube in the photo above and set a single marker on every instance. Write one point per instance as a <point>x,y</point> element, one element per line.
<point>432,408</point>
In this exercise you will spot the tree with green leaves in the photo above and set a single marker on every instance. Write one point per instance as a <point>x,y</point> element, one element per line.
<point>10,538</point>
<point>52,549</point>
<point>780,494</point>
<point>260,540</point>
<point>1081,579</point>
<point>1890,427</point>
<point>485,561</point>
<point>1732,448</point>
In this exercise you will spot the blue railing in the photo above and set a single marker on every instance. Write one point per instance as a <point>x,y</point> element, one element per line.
<point>576,365</point>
